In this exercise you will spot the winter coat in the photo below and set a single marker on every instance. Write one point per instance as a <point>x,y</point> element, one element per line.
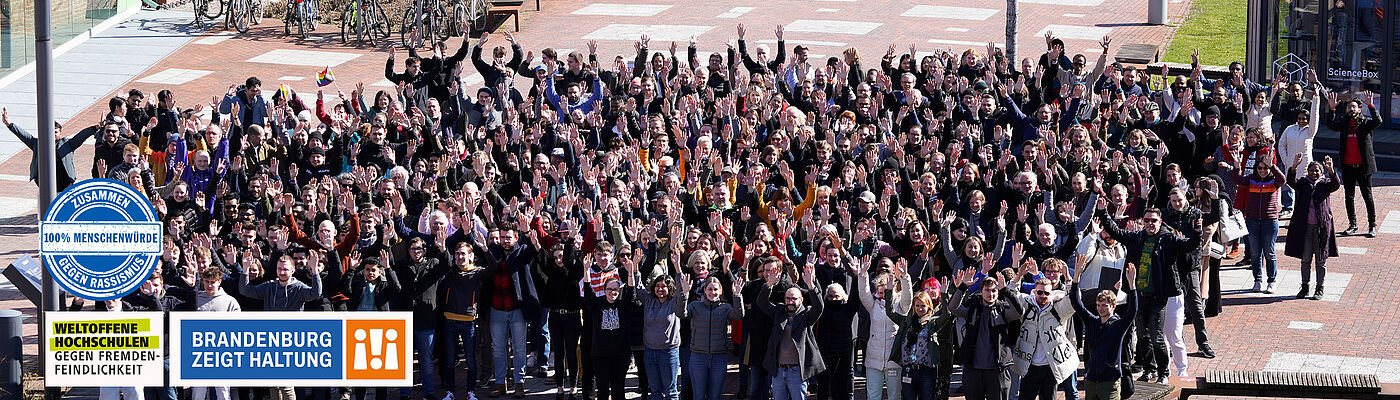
<point>708,323</point>
<point>1043,330</point>
<point>801,321</point>
<point>883,329</point>
<point>1320,194</point>
<point>1297,140</point>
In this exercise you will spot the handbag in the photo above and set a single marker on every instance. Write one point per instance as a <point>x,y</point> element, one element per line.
<point>1232,227</point>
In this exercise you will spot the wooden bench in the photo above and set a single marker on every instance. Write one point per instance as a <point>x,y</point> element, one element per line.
<point>1286,384</point>
<point>1137,53</point>
<point>1207,71</point>
<point>511,9</point>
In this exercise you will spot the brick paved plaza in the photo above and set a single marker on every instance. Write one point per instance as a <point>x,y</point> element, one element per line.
<point>1353,330</point>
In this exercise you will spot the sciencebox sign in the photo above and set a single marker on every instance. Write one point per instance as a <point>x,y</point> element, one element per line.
<point>291,349</point>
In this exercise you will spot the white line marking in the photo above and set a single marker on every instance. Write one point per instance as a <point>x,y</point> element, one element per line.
<point>1391,224</point>
<point>659,33</point>
<point>622,10</point>
<point>174,76</point>
<point>1071,15</point>
<point>949,12</point>
<point>804,42</point>
<point>291,78</point>
<point>980,45</point>
<point>1076,3</point>
<point>957,29</point>
<point>1076,32</point>
<point>307,58</point>
<point>828,10</point>
<point>216,38</point>
<point>736,12</point>
<point>1305,325</point>
<point>831,26</point>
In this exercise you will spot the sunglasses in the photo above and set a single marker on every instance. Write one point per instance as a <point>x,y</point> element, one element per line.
<point>1043,292</point>
<point>112,131</point>
<point>1151,220</point>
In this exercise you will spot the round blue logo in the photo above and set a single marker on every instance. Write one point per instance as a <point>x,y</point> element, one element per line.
<point>100,239</point>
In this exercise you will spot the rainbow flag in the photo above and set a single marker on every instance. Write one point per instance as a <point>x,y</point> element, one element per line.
<point>324,77</point>
<point>285,91</point>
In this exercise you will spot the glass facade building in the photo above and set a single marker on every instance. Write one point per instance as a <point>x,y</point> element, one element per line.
<point>1354,45</point>
<point>70,19</point>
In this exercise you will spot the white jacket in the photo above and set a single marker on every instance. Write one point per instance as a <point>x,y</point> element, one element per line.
<point>1043,332</point>
<point>1299,140</point>
<point>1104,260</point>
<point>882,329</point>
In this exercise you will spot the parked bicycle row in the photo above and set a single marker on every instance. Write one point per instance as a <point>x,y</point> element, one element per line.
<point>361,21</point>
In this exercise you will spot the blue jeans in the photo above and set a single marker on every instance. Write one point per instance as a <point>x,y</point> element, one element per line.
<point>538,332</point>
<point>508,325</point>
<point>423,343</point>
<point>460,333</point>
<point>758,376</point>
<point>663,366</point>
<point>1262,235</point>
<point>789,385</point>
<point>1071,386</point>
<point>1286,197</point>
<point>707,375</point>
<point>922,383</point>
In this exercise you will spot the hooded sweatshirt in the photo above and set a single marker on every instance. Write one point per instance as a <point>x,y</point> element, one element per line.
<point>219,301</point>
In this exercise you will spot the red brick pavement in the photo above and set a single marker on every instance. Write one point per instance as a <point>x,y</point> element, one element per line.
<point>1245,335</point>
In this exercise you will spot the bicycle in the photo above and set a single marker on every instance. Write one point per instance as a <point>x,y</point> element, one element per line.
<point>242,13</point>
<point>301,14</point>
<point>364,19</point>
<point>474,11</point>
<point>203,8</point>
<point>428,18</point>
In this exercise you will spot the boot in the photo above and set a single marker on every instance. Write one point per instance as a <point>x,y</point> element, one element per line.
<point>1317,295</point>
<point>1303,293</point>
<point>499,391</point>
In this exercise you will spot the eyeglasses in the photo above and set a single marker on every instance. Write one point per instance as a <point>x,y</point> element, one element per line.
<point>612,290</point>
<point>416,248</point>
<point>1151,220</point>
<point>112,131</point>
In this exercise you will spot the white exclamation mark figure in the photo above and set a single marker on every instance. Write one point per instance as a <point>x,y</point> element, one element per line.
<point>359,363</point>
<point>376,344</point>
<point>391,356</point>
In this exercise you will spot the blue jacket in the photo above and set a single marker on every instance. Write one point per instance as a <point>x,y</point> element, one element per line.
<point>1103,341</point>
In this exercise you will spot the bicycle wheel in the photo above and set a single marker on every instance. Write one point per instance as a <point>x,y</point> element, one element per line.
<point>379,20</point>
<point>478,14</point>
<point>240,20</point>
<point>459,17</point>
<point>255,17</point>
<point>410,22</point>
<point>365,26</point>
<point>439,21</point>
<point>348,18</point>
<point>311,8</point>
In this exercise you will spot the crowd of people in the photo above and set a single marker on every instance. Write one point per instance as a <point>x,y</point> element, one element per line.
<point>813,221</point>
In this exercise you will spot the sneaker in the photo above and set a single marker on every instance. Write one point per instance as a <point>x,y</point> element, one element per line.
<point>1270,289</point>
<point>1303,293</point>
<point>1162,379</point>
<point>1235,251</point>
<point>1351,230</point>
<point>1370,233</point>
<point>1147,377</point>
<point>1285,214</point>
<point>1317,295</point>
<point>1258,286</point>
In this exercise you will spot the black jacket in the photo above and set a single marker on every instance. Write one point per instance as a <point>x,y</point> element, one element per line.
<point>385,289</point>
<point>801,322</point>
<point>1165,280</point>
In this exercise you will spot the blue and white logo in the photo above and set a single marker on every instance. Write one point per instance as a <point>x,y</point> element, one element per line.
<point>100,239</point>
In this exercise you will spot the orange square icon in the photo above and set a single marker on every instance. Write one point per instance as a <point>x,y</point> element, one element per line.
<point>376,349</point>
